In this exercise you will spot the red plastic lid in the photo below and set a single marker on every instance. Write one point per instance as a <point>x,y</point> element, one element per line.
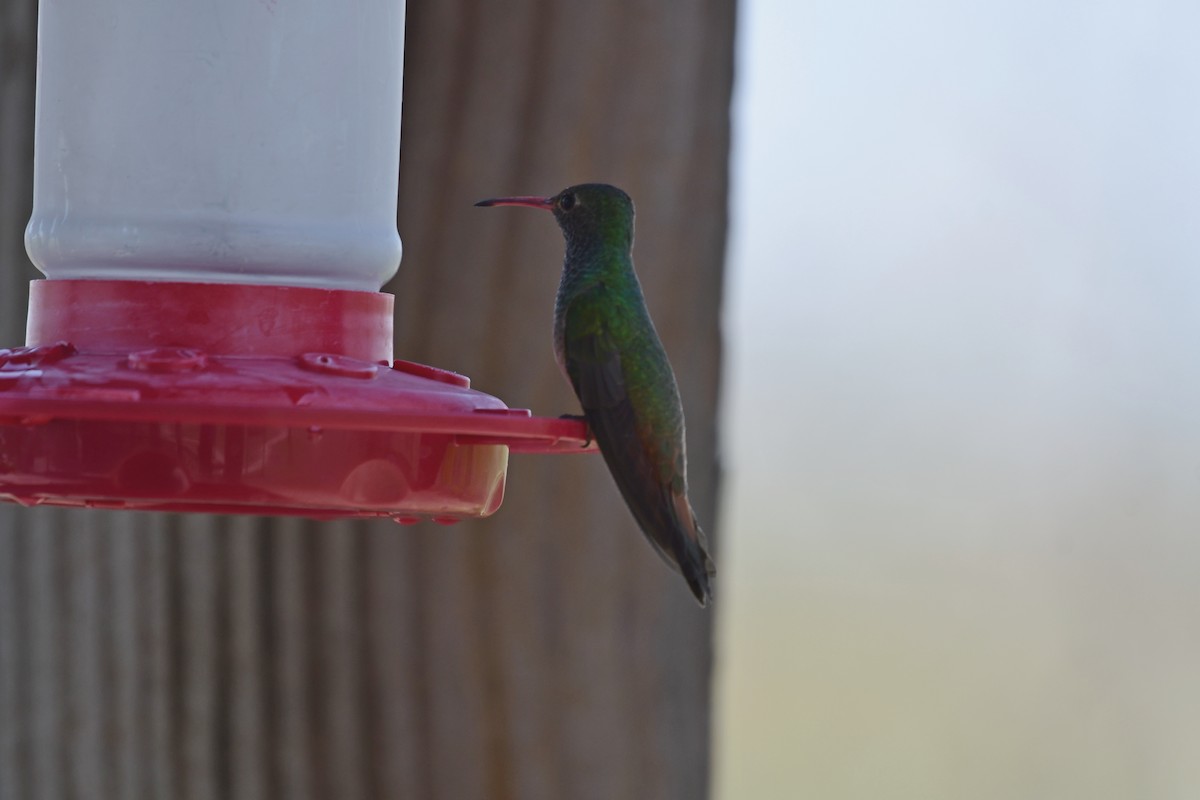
<point>254,399</point>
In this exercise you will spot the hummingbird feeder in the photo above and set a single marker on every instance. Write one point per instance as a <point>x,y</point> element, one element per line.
<point>214,211</point>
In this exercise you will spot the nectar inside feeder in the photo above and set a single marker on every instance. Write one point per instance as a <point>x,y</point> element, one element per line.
<point>211,336</point>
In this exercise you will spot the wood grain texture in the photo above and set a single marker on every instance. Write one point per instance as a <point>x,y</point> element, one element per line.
<point>543,653</point>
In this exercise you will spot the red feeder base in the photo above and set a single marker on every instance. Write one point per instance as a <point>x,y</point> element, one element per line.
<point>227,398</point>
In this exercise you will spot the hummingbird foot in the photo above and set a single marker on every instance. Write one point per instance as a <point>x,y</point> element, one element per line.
<point>587,442</point>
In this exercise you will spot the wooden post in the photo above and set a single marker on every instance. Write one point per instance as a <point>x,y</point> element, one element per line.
<point>543,653</point>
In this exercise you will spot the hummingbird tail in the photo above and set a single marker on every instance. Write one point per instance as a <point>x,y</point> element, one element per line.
<point>691,553</point>
<point>662,512</point>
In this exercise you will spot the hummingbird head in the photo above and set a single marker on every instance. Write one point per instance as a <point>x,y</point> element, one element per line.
<point>586,212</point>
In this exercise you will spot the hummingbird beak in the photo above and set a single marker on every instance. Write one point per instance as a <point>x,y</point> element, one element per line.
<point>545,203</point>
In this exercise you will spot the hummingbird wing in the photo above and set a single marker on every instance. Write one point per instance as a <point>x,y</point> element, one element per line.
<point>644,450</point>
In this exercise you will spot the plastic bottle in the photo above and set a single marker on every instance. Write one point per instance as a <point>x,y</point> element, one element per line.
<point>227,141</point>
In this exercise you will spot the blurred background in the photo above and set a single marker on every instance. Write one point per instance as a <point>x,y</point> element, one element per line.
<point>960,411</point>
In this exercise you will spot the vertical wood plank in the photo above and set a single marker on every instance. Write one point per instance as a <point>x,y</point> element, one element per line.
<point>15,744</point>
<point>87,619</point>
<point>336,608</point>
<point>293,688</point>
<point>394,680</point>
<point>200,685</point>
<point>128,733</point>
<point>49,656</point>
<point>156,662</point>
<point>248,565</point>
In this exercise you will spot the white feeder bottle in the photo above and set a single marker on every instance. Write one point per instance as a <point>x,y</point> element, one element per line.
<point>225,141</point>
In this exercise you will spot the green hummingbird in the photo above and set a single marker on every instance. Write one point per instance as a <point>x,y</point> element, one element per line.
<point>607,347</point>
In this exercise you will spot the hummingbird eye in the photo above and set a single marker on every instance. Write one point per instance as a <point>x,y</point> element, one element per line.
<point>566,202</point>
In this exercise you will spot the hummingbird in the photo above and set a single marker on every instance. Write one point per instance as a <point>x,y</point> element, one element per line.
<point>606,346</point>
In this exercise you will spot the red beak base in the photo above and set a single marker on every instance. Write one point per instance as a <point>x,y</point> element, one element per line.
<point>545,203</point>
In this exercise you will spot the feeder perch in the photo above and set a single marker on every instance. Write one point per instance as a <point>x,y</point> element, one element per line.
<point>211,336</point>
